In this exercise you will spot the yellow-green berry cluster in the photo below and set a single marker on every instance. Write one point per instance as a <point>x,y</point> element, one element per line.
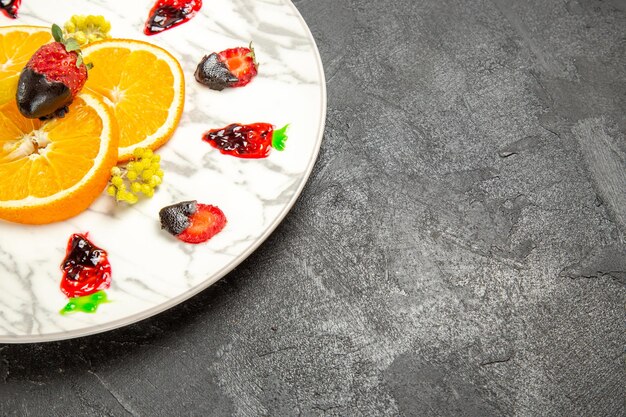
<point>140,176</point>
<point>87,29</point>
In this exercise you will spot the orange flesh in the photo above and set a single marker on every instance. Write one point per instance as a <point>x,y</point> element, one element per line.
<point>16,48</point>
<point>130,91</point>
<point>62,153</point>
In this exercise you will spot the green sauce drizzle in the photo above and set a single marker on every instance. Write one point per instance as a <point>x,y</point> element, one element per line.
<point>85,304</point>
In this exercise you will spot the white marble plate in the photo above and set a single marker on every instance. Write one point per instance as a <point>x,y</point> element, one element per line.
<point>152,271</point>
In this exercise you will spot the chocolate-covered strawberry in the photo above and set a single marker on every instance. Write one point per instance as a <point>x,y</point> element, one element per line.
<point>247,141</point>
<point>233,67</point>
<point>191,221</point>
<point>10,7</point>
<point>53,76</point>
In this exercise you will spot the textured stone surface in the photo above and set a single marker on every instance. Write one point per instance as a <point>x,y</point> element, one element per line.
<point>459,249</point>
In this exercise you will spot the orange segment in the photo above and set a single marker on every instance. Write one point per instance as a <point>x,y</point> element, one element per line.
<point>145,87</point>
<point>17,45</point>
<point>53,170</point>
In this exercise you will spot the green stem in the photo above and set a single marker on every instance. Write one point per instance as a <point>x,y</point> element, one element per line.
<point>86,304</point>
<point>279,138</point>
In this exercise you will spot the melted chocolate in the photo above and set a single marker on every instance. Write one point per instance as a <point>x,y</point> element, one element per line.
<point>39,98</point>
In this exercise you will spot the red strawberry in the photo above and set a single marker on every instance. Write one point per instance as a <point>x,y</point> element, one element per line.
<point>53,76</point>
<point>166,14</point>
<point>247,141</point>
<point>10,7</point>
<point>192,222</point>
<point>230,68</point>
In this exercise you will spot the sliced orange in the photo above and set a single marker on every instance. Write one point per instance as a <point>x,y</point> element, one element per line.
<point>145,87</point>
<point>17,45</point>
<point>53,170</point>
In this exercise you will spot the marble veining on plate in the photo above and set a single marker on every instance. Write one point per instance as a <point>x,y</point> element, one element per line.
<point>152,270</point>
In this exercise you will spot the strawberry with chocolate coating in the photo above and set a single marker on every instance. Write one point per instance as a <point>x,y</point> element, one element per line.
<point>191,221</point>
<point>233,67</point>
<point>247,141</point>
<point>52,78</point>
<point>10,7</point>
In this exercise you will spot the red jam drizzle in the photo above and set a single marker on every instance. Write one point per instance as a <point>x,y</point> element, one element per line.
<point>86,268</point>
<point>247,141</point>
<point>166,14</point>
<point>10,7</point>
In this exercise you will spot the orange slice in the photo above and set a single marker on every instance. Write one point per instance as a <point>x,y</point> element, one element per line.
<point>53,170</point>
<point>145,87</point>
<point>17,45</point>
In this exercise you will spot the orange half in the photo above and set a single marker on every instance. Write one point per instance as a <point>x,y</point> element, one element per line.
<point>144,86</point>
<point>53,170</point>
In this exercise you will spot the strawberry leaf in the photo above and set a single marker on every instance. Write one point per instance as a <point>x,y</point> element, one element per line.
<point>89,65</point>
<point>79,61</point>
<point>71,45</point>
<point>57,33</point>
<point>279,138</point>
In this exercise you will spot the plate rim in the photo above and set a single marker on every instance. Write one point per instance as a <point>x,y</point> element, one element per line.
<point>173,302</point>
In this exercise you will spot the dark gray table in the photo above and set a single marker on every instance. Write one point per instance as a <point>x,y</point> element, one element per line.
<point>459,249</point>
